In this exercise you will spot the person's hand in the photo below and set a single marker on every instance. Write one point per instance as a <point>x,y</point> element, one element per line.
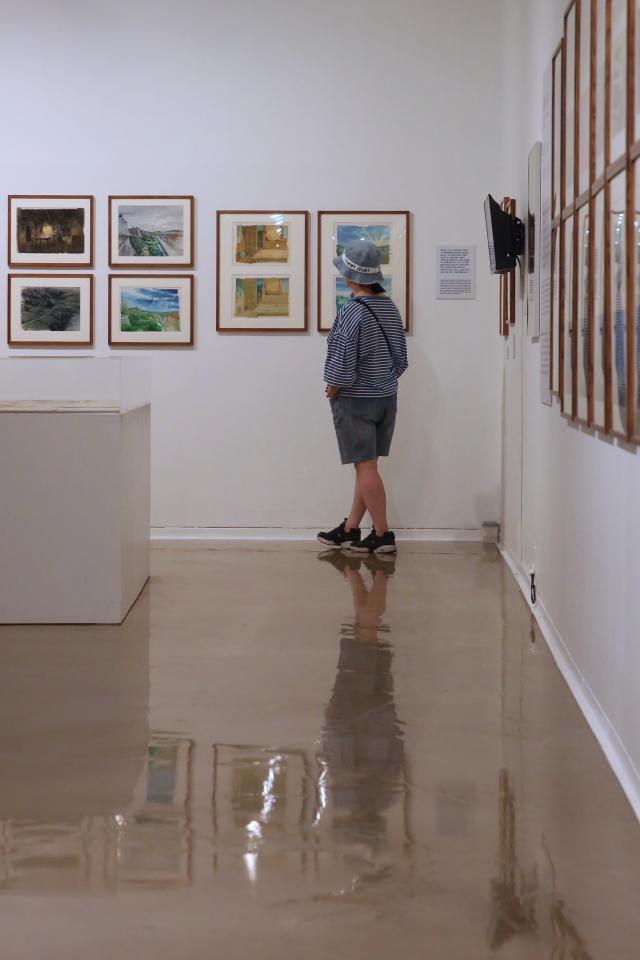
<point>332,392</point>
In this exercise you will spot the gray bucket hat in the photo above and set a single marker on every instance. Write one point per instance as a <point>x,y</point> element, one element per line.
<point>360,262</point>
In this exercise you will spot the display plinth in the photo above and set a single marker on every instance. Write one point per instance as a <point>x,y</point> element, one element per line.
<point>74,511</point>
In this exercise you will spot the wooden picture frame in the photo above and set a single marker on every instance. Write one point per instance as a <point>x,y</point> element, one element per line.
<point>388,228</point>
<point>618,85</point>
<point>598,413</point>
<point>262,264</point>
<point>43,227</point>
<point>151,232</point>
<point>54,306</point>
<point>618,303</point>
<point>570,111</point>
<point>582,370</point>
<point>148,312</point>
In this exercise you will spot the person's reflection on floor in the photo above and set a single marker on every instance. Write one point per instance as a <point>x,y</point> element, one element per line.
<point>362,737</point>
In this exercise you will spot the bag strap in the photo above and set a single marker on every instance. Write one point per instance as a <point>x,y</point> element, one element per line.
<point>382,330</point>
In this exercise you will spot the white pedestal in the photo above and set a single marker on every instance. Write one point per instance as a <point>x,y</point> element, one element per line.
<point>74,510</point>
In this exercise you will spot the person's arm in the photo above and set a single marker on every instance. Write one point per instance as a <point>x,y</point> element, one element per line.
<point>342,353</point>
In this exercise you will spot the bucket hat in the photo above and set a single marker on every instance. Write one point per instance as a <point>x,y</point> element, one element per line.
<point>360,262</point>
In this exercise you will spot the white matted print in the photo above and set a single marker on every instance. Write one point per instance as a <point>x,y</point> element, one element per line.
<point>151,311</point>
<point>152,232</point>
<point>48,310</point>
<point>389,230</point>
<point>262,271</point>
<point>50,231</point>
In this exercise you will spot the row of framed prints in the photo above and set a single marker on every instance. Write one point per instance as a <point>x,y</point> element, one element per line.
<point>262,283</point>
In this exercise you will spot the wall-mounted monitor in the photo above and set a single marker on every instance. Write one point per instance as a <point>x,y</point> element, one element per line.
<point>505,237</point>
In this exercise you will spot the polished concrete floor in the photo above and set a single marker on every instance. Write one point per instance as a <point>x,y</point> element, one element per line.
<point>289,754</point>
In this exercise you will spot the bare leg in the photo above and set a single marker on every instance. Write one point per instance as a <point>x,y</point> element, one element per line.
<point>358,507</point>
<point>372,490</point>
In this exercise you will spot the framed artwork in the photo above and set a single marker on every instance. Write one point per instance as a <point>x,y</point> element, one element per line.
<point>555,310</point>
<point>50,231</point>
<point>557,133</point>
<point>584,99</point>
<point>261,279</point>
<point>600,26</point>
<point>636,132</point>
<point>389,230</point>
<point>567,321</point>
<point>569,104</point>
<point>618,87</point>
<point>599,418</point>
<point>151,311</point>
<point>617,294</point>
<point>583,364</point>
<point>636,312</point>
<point>50,310</point>
<point>151,232</point>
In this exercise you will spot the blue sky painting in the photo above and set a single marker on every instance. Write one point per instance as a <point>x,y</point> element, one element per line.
<point>153,299</point>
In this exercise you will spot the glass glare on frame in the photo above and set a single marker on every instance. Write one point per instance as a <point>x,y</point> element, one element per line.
<point>584,140</point>
<point>618,304</point>
<point>597,238</point>
<point>567,326</point>
<point>569,116</point>
<point>582,368</point>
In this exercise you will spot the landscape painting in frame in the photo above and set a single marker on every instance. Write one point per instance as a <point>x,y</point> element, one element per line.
<point>49,310</point>
<point>261,282</point>
<point>152,232</point>
<point>343,292</point>
<point>388,230</point>
<point>146,311</point>
<point>50,231</point>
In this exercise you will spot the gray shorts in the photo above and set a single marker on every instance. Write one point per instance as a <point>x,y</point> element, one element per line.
<point>364,426</point>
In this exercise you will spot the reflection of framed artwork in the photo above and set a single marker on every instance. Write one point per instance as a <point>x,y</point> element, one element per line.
<point>618,306</point>
<point>599,417</point>
<point>151,311</point>
<point>260,794</point>
<point>584,99</point>
<point>567,320</point>
<point>583,354</point>
<point>50,310</point>
<point>618,91</point>
<point>154,840</point>
<point>389,230</point>
<point>569,98</point>
<point>151,232</point>
<point>50,231</point>
<point>261,281</point>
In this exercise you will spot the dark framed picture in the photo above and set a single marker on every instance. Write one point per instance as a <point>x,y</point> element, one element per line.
<point>50,231</point>
<point>262,271</point>
<point>151,311</point>
<point>148,232</point>
<point>389,230</point>
<point>50,310</point>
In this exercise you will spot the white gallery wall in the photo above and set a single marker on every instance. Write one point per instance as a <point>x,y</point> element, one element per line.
<point>271,104</point>
<point>571,499</point>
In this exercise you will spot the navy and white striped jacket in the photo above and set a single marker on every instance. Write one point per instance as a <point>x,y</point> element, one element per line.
<point>358,358</point>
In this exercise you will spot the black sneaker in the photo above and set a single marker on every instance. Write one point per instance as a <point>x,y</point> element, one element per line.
<point>341,560</point>
<point>339,537</point>
<point>375,544</point>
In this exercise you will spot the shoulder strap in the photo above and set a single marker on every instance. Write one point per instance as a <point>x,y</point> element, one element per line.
<point>382,330</point>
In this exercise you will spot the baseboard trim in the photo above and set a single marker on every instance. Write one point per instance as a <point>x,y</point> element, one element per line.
<point>170,536</point>
<point>600,724</point>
